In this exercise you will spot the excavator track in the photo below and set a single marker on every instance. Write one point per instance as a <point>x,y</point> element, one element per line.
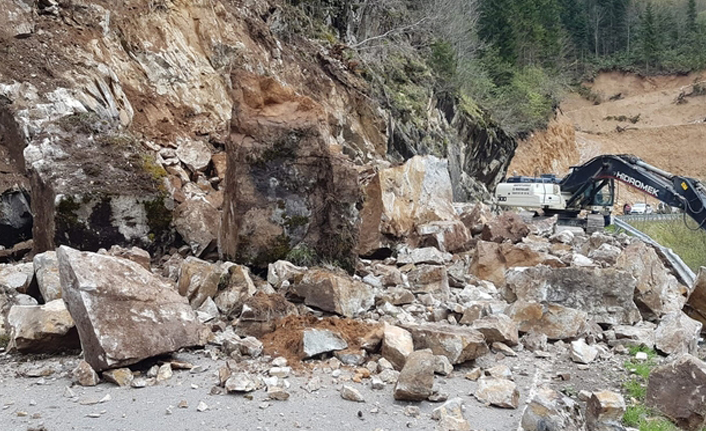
<point>594,223</point>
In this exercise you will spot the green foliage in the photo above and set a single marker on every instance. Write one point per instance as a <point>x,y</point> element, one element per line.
<point>159,217</point>
<point>641,369</point>
<point>443,60</point>
<point>682,236</point>
<point>4,340</point>
<point>635,388</point>
<point>657,424</point>
<point>649,37</point>
<point>641,417</point>
<point>635,415</point>
<point>303,255</point>
<point>154,169</point>
<point>651,354</point>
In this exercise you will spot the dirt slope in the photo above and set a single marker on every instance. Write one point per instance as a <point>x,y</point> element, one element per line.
<point>656,118</point>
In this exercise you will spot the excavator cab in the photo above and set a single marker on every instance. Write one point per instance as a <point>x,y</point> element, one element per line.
<point>603,193</point>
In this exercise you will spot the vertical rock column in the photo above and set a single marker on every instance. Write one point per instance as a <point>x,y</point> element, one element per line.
<point>286,188</point>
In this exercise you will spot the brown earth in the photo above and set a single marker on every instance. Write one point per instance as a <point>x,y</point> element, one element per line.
<point>287,338</point>
<point>656,118</point>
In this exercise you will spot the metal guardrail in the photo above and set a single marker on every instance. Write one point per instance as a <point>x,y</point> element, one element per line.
<point>651,217</point>
<point>685,273</point>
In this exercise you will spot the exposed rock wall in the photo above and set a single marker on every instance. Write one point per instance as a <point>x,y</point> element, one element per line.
<point>95,131</point>
<point>286,187</point>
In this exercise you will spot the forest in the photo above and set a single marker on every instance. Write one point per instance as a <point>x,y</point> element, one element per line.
<point>530,51</point>
<point>516,58</point>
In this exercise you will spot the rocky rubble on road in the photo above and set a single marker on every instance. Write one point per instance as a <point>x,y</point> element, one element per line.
<point>408,326</point>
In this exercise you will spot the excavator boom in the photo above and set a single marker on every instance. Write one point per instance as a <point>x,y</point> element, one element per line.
<point>685,193</point>
<point>591,187</point>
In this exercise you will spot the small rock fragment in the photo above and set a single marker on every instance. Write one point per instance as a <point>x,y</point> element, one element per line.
<point>351,394</point>
<point>202,407</point>
<point>120,376</point>
<point>165,372</point>
<point>277,393</point>
<point>450,416</point>
<point>84,375</point>
<point>582,352</point>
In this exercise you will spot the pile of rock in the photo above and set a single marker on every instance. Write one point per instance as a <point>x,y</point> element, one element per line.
<point>589,296</point>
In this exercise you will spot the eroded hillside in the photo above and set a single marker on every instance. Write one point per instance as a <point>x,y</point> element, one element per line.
<point>660,119</point>
<point>120,121</point>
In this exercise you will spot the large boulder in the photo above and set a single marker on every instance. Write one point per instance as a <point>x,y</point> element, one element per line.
<point>696,305</point>
<point>642,334</point>
<point>261,312</point>
<point>240,287</point>
<point>285,185</point>
<point>657,292</point>
<point>458,343</point>
<point>498,392</point>
<point>450,416</point>
<point>123,312</point>
<point>17,278</point>
<point>318,341</point>
<point>398,200</point>
<point>678,390</point>
<point>93,184</point>
<point>508,226</point>
<point>524,254</point>
<point>488,262</point>
<point>334,292</point>
<point>199,280</point>
<point>429,279</point>
<point>553,320</point>
<point>605,294</point>
<point>427,255</point>
<point>416,380</point>
<point>198,223</point>
<point>195,154</point>
<point>604,411</point>
<point>474,215</point>
<point>44,328</point>
<point>497,327</point>
<point>677,334</point>
<point>397,345</point>
<point>448,236</point>
<point>281,272</point>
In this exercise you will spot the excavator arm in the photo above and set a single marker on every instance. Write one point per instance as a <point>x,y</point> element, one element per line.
<point>585,181</point>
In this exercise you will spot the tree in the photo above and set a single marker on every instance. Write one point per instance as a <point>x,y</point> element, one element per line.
<point>649,37</point>
<point>575,20</point>
<point>632,19</point>
<point>496,29</point>
<point>596,14</point>
<point>691,16</point>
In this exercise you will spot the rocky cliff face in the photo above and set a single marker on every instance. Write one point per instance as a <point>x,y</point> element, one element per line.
<point>228,125</point>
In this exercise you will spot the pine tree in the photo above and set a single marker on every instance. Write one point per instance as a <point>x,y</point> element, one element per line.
<point>575,20</point>
<point>495,28</point>
<point>649,37</point>
<point>691,16</point>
